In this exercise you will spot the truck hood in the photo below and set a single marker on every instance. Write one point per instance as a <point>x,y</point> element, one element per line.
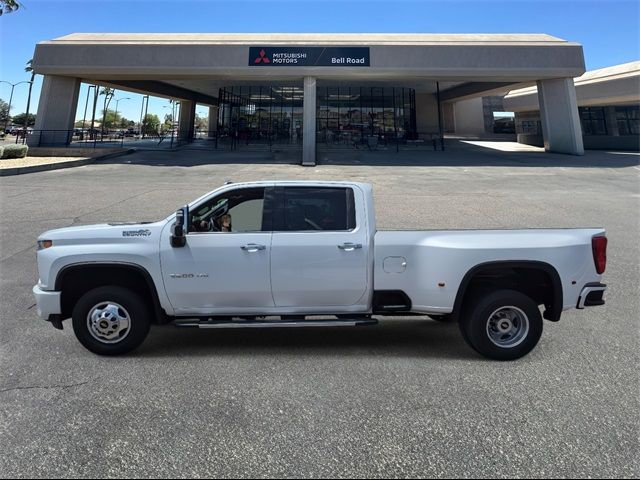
<point>104,233</point>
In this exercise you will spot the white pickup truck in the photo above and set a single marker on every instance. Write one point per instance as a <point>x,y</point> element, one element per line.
<point>292,254</point>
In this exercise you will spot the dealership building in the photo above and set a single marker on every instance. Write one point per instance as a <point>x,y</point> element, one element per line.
<point>316,88</point>
<point>608,107</point>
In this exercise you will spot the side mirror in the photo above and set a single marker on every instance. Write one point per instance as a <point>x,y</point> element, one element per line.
<point>178,235</point>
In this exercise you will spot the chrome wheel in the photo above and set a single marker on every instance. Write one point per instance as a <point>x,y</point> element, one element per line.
<point>108,322</point>
<point>507,327</point>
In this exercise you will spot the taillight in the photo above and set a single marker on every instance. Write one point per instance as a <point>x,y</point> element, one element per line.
<point>599,246</point>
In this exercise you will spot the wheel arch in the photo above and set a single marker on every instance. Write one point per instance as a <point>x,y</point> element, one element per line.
<point>553,294</point>
<point>75,279</point>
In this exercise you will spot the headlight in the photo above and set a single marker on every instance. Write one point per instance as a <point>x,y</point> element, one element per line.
<point>42,244</point>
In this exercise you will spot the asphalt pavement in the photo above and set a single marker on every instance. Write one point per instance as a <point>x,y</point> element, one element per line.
<point>406,398</point>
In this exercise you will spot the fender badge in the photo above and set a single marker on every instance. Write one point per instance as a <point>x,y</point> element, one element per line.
<point>136,233</point>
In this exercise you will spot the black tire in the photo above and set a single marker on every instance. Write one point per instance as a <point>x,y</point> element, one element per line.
<point>446,317</point>
<point>486,338</point>
<point>132,305</point>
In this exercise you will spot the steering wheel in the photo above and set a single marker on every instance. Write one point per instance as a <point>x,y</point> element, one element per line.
<point>213,225</point>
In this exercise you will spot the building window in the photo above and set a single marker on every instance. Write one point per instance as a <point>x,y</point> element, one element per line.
<point>348,115</point>
<point>592,120</point>
<point>344,114</point>
<point>529,127</point>
<point>628,119</point>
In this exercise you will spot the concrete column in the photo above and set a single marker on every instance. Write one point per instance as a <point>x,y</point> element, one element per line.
<point>309,123</point>
<point>449,117</point>
<point>469,117</point>
<point>187,120</point>
<point>426,113</point>
<point>559,116</point>
<point>56,111</point>
<point>213,121</point>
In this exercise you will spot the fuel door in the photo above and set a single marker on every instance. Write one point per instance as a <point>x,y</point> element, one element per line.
<point>394,264</point>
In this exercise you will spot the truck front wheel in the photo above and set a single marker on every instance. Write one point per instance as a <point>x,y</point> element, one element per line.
<point>110,320</point>
<point>502,325</point>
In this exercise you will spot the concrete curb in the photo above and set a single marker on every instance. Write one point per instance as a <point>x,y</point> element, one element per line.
<point>60,165</point>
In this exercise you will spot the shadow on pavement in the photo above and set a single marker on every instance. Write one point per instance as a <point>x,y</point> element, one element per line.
<point>456,154</point>
<point>415,338</point>
<point>459,154</point>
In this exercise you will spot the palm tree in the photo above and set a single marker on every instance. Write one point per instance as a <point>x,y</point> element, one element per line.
<point>8,6</point>
<point>108,95</point>
<point>29,69</point>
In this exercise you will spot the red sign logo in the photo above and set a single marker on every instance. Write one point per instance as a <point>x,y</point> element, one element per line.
<point>262,58</point>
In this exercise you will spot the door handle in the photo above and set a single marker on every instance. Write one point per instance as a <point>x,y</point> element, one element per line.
<point>253,247</point>
<point>350,247</point>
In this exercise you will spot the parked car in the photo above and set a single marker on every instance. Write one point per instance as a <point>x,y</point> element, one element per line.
<point>21,132</point>
<point>298,250</point>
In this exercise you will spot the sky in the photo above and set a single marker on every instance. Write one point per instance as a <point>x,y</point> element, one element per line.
<point>607,29</point>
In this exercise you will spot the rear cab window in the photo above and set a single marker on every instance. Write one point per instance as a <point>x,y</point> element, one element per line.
<point>313,209</point>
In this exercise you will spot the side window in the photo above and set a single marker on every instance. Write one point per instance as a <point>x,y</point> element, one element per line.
<point>236,211</point>
<point>318,209</point>
<point>247,216</point>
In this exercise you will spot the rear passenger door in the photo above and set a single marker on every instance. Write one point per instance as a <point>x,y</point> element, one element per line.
<point>319,247</point>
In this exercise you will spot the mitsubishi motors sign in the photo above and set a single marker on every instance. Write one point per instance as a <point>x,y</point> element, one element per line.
<point>309,56</point>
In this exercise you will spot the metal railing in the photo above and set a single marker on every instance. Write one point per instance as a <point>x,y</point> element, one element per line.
<point>387,140</point>
<point>77,138</point>
<point>229,141</point>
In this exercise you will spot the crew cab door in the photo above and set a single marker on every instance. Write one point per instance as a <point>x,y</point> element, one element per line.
<point>319,249</point>
<point>219,271</point>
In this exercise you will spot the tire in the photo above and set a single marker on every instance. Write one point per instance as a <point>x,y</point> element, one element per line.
<point>447,317</point>
<point>111,320</point>
<point>501,325</point>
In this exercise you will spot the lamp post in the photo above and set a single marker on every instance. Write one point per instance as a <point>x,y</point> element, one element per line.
<point>201,115</point>
<point>13,85</point>
<point>116,116</point>
<point>124,98</point>
<point>143,113</point>
<point>172,105</point>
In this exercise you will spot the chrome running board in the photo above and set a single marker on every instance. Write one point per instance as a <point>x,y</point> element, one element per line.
<point>346,322</point>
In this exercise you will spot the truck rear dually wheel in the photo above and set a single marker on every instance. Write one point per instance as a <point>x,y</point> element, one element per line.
<point>111,320</point>
<point>502,325</point>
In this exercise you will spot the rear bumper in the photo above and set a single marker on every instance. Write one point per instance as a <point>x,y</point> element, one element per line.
<point>591,295</point>
<point>48,303</point>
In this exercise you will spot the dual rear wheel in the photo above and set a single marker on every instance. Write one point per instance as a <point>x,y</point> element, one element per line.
<point>501,324</point>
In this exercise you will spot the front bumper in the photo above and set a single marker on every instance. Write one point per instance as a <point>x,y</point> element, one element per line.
<point>48,303</point>
<point>591,295</point>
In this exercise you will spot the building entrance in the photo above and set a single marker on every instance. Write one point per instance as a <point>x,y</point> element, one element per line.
<point>351,115</point>
<point>344,115</point>
<point>259,114</point>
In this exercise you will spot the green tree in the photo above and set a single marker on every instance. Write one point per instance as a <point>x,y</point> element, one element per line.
<point>202,123</point>
<point>110,119</point>
<point>168,122</point>
<point>150,124</point>
<point>108,96</point>
<point>8,6</point>
<point>4,112</point>
<point>21,119</point>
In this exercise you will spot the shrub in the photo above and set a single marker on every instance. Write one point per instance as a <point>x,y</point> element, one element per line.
<point>1,150</point>
<point>15,151</point>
